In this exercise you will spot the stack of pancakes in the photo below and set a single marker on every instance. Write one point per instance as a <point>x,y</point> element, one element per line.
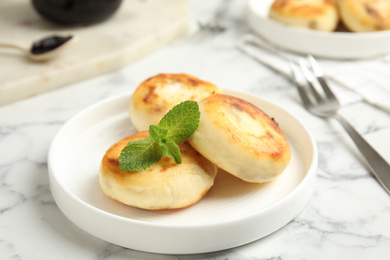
<point>233,135</point>
<point>326,15</point>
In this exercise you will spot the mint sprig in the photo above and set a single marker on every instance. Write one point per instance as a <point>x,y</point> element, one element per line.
<point>175,127</point>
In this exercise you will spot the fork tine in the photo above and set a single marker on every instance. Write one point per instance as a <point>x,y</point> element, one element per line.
<point>301,88</point>
<point>310,79</point>
<point>320,77</point>
<point>315,67</point>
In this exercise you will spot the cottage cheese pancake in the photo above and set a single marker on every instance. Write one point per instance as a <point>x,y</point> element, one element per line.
<point>157,95</point>
<point>365,15</point>
<point>319,15</point>
<point>165,185</point>
<point>241,139</point>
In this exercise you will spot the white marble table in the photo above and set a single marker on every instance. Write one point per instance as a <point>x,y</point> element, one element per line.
<point>348,216</point>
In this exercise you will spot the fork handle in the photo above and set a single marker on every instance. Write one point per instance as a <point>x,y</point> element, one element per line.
<point>379,167</point>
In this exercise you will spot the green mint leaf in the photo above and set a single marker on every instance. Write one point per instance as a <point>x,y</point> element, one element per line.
<point>175,127</point>
<point>139,155</point>
<point>157,133</point>
<point>181,121</point>
<point>171,150</point>
<point>167,146</point>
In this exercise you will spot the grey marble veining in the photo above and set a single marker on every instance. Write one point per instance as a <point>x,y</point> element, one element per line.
<point>348,216</point>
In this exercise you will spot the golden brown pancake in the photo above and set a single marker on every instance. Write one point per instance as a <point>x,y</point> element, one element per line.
<point>241,139</point>
<point>365,15</point>
<point>319,15</point>
<point>165,185</point>
<point>157,95</point>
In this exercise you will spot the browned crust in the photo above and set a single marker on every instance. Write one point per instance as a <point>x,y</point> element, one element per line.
<point>110,160</point>
<point>147,92</point>
<point>295,8</point>
<point>271,143</point>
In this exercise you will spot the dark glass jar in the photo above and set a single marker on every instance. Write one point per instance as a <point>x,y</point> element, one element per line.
<point>76,12</point>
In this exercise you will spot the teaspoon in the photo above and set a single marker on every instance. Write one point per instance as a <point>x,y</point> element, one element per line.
<point>43,49</point>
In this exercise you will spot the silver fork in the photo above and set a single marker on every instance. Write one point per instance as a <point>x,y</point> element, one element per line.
<point>309,79</point>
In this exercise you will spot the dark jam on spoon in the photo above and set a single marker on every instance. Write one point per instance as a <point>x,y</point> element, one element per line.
<point>48,44</point>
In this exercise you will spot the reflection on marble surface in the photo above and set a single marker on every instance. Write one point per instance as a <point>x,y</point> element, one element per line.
<point>348,216</point>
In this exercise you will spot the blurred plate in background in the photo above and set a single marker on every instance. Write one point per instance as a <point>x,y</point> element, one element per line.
<point>334,45</point>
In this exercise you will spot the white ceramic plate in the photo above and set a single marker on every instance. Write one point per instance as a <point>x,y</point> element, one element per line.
<point>233,213</point>
<point>335,45</point>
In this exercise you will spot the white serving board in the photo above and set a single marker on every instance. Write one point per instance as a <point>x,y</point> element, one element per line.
<point>136,29</point>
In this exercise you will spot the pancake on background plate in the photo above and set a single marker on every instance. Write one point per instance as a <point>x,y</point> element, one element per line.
<point>365,15</point>
<point>319,15</point>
